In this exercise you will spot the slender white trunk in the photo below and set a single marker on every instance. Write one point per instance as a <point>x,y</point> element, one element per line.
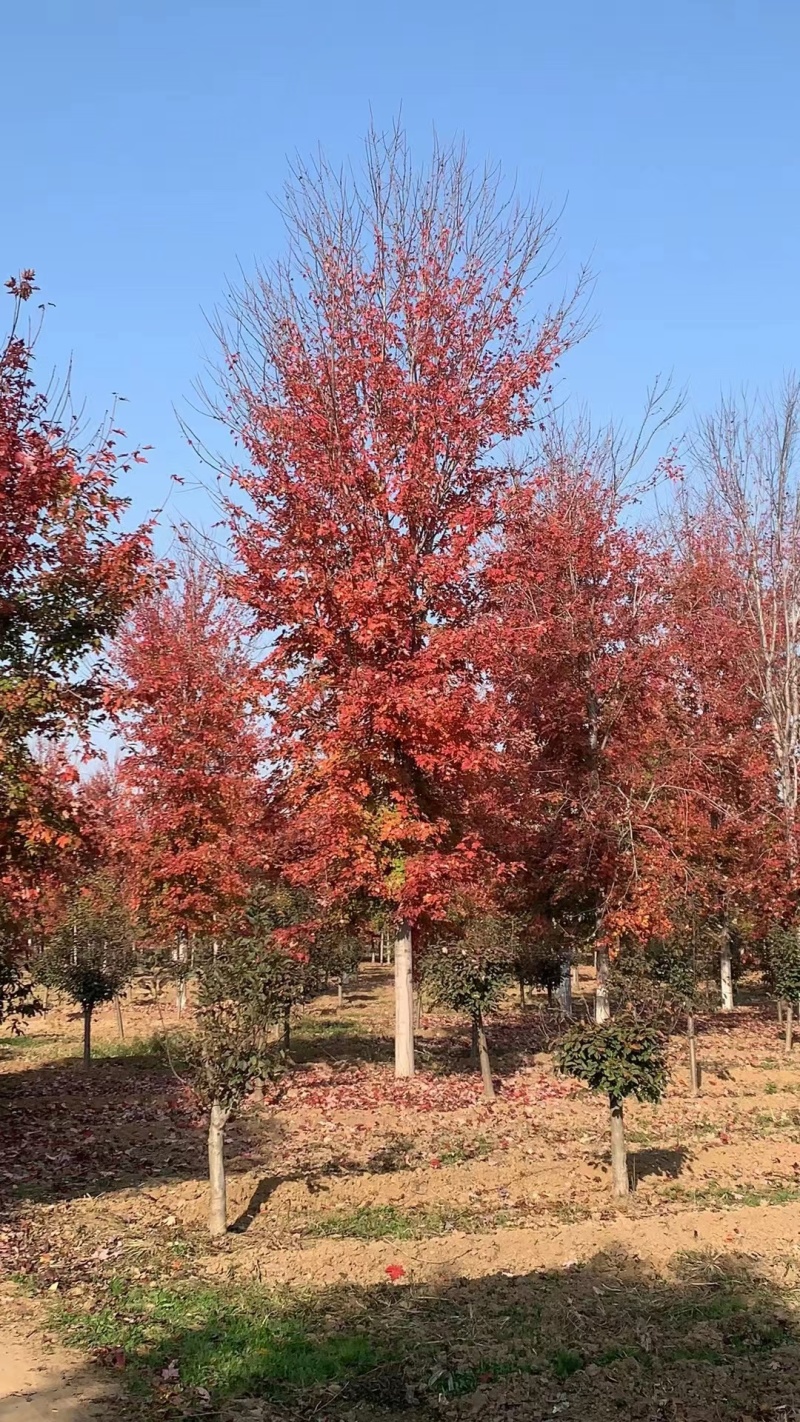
<point>217,1202</point>
<point>602,1005</point>
<point>564,989</point>
<point>691,1037</point>
<point>789,1034</point>
<point>726,973</point>
<point>619,1159</point>
<point>120,1023</point>
<point>403,1003</point>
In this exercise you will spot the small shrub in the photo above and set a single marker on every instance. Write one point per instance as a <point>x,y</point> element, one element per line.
<point>620,1058</point>
<point>469,974</point>
<point>90,955</point>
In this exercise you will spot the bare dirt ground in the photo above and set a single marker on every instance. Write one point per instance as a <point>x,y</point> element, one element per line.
<point>342,1174</point>
<point>40,1381</point>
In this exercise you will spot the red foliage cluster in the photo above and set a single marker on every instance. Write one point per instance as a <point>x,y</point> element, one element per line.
<point>68,574</point>
<point>188,698</point>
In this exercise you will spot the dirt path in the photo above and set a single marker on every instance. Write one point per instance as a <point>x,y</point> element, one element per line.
<point>39,1382</point>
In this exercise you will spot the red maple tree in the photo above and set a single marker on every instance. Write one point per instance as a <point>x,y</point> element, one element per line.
<point>68,574</point>
<point>736,857</point>
<point>577,639</point>
<point>187,701</point>
<point>376,383</point>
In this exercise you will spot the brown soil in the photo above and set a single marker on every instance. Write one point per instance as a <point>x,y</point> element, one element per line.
<point>110,1165</point>
<point>40,1381</point>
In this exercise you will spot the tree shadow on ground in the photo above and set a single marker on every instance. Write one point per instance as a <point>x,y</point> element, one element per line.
<point>513,1042</point>
<point>128,1121</point>
<point>714,1341</point>
<point>666,1163</point>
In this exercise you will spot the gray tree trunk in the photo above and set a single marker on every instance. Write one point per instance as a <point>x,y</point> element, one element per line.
<point>788,1037</point>
<point>403,1003</point>
<point>217,1203</point>
<point>120,1023</point>
<point>602,1005</point>
<point>483,1057</point>
<point>564,989</point>
<point>694,1079</point>
<point>619,1158</point>
<point>726,972</point>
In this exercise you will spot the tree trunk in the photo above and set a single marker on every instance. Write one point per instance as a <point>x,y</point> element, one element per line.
<point>180,995</point>
<point>787,1041</point>
<point>474,1057</point>
<point>120,1023</point>
<point>87,1036</point>
<point>619,1159</point>
<point>403,1003</point>
<point>287,1026</point>
<point>340,993</point>
<point>564,989</point>
<point>602,1006</point>
<point>522,992</point>
<point>726,972</point>
<point>483,1057</point>
<point>217,1203</point>
<point>694,1079</point>
<point>417,1010</point>
<point>575,976</point>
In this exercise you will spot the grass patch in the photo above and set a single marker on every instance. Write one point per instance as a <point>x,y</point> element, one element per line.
<point>389,1222</point>
<point>156,1050</point>
<point>714,1196</point>
<point>713,1334</point>
<point>234,1343</point>
<point>459,1151</point>
<point>371,1222</point>
<point>323,1026</point>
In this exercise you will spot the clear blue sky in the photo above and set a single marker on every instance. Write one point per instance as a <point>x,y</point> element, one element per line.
<point>144,138</point>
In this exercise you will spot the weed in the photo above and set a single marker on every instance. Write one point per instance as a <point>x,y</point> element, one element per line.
<point>565,1362</point>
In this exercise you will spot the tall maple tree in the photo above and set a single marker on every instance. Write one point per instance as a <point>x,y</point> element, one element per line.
<point>68,575</point>
<point>732,843</point>
<point>187,700</point>
<point>377,381</point>
<point>578,646</point>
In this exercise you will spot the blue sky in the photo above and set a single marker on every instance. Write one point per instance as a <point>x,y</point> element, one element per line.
<point>148,137</point>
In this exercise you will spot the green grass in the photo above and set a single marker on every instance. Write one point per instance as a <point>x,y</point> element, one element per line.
<point>144,1048</point>
<point>323,1026</point>
<point>389,1222</point>
<point>241,1342</point>
<point>457,1152</point>
<point>716,1196</point>
<point>595,1333</point>
<point>20,1046</point>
